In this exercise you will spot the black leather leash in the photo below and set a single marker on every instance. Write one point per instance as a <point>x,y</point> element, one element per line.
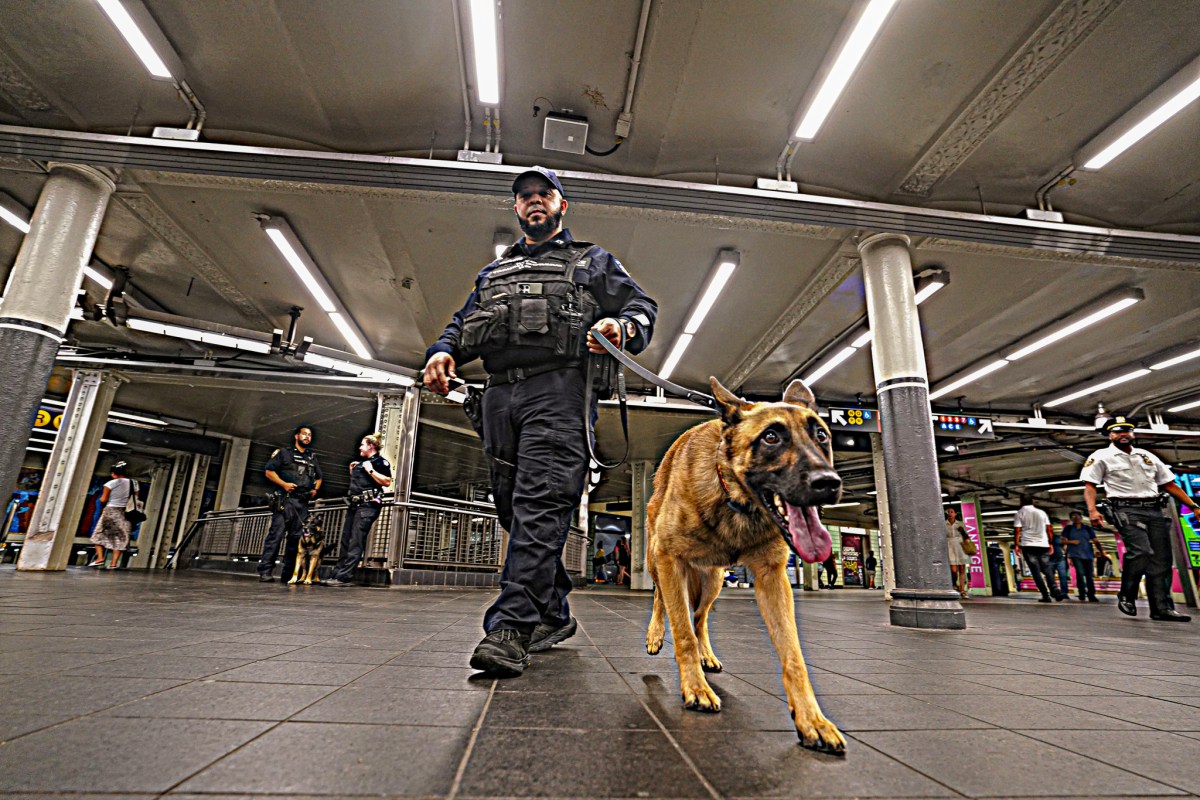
<point>700,398</point>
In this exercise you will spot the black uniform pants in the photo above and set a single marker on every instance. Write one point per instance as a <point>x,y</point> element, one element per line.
<point>534,433</point>
<point>285,528</point>
<point>359,519</point>
<point>1147,537</point>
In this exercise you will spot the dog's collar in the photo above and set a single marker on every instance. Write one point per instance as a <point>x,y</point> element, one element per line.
<point>740,508</point>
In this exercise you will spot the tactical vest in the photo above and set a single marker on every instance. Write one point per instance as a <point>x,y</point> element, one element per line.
<point>531,311</point>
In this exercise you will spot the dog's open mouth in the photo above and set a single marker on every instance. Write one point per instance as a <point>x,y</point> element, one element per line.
<point>802,527</point>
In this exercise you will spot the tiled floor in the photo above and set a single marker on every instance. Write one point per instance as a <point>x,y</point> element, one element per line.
<point>208,686</point>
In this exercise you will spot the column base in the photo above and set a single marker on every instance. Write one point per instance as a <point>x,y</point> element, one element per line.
<point>934,609</point>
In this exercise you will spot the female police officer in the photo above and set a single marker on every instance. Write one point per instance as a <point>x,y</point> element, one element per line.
<point>531,317</point>
<point>368,479</point>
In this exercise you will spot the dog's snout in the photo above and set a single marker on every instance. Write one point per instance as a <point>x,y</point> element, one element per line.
<point>825,485</point>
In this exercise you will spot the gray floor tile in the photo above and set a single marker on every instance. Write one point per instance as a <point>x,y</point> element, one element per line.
<point>299,758</point>
<point>998,763</point>
<point>403,677</point>
<point>69,696</point>
<point>159,665</point>
<point>296,672</point>
<point>338,655</point>
<point>1163,757</point>
<point>67,757</point>
<point>451,708</point>
<point>1035,713</point>
<point>592,712</point>
<point>211,699</point>
<point>775,765</point>
<point>929,683</point>
<point>501,765</point>
<point>1152,712</point>
<point>247,651</point>
<point>891,712</point>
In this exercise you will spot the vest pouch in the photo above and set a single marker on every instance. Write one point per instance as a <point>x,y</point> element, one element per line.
<point>533,315</point>
<point>484,330</point>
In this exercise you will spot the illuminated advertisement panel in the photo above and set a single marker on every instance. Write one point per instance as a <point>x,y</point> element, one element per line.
<point>976,577</point>
<point>1190,483</point>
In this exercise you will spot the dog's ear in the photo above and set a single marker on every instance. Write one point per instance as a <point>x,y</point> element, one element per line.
<point>799,394</point>
<point>732,406</point>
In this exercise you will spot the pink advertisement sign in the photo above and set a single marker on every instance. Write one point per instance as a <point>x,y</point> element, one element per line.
<point>976,578</point>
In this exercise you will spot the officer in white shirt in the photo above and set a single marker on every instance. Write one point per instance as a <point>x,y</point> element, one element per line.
<point>1134,479</point>
<point>1032,540</point>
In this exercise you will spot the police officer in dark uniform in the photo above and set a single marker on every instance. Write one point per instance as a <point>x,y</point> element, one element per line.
<point>368,479</point>
<point>531,318</point>
<point>297,473</point>
<point>1134,480</point>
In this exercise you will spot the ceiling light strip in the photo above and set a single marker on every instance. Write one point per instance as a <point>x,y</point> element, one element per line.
<point>1066,398</point>
<point>486,47</point>
<point>727,261</point>
<point>136,39</point>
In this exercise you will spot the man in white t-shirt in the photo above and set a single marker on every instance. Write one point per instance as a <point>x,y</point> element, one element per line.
<point>1032,540</point>
<point>1133,479</point>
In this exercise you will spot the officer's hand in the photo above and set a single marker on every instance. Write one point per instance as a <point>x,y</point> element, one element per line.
<point>610,329</point>
<point>289,487</point>
<point>438,372</point>
<point>313,493</point>
<point>1096,517</point>
<point>353,464</point>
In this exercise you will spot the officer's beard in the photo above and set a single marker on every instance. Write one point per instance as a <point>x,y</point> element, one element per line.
<point>540,231</point>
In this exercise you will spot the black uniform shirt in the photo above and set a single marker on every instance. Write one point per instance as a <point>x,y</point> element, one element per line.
<point>361,482</point>
<point>616,292</point>
<point>292,466</point>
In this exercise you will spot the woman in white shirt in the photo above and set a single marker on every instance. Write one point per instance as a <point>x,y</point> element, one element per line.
<point>112,531</point>
<point>955,533</point>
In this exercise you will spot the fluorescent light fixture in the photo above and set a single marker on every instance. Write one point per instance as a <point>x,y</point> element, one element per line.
<point>123,415</point>
<point>929,282</point>
<point>847,62</point>
<point>1078,488</point>
<point>501,241</point>
<point>828,366</point>
<point>294,253</point>
<point>14,212</point>
<point>987,369</point>
<point>136,39</point>
<point>928,292</point>
<point>38,450</point>
<point>999,513</point>
<point>117,442</point>
<point>727,262</point>
<point>1177,360</point>
<point>1074,327</point>
<point>841,505</point>
<point>1184,407</point>
<point>487,51</point>
<point>681,344</point>
<point>196,335</point>
<point>358,370</point>
<point>1092,314</point>
<point>1049,483</point>
<point>861,339</point>
<point>1066,398</point>
<point>1178,92</point>
<point>97,276</point>
<point>56,403</point>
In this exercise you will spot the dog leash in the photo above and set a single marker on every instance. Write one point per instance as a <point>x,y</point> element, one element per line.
<point>700,398</point>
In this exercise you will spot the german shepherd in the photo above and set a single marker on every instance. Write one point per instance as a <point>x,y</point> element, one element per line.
<point>308,557</point>
<point>740,490</point>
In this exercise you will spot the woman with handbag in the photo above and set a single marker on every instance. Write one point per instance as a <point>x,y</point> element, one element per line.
<point>956,538</point>
<point>112,531</point>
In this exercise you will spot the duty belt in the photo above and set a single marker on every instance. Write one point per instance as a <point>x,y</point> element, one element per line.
<point>1135,502</point>
<point>521,373</point>
<point>368,496</point>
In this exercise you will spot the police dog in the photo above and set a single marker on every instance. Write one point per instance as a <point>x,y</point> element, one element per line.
<point>308,557</point>
<point>739,490</point>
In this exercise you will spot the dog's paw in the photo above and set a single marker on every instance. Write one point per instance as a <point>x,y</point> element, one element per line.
<point>653,646</point>
<point>710,664</point>
<point>818,733</point>
<point>293,580</point>
<point>308,582</point>
<point>702,698</point>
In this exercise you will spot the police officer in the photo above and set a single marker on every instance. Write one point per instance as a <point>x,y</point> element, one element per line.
<point>532,317</point>
<point>297,473</point>
<point>368,479</point>
<point>1133,479</point>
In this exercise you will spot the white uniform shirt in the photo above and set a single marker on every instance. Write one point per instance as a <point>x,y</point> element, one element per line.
<point>1032,523</point>
<point>1133,475</point>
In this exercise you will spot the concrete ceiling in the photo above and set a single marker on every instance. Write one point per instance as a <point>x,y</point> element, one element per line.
<point>967,107</point>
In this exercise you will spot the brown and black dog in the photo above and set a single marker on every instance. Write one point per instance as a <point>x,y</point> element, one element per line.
<point>308,557</point>
<point>738,490</point>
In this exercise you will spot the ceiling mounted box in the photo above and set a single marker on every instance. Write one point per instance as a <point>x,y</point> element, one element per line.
<point>565,133</point>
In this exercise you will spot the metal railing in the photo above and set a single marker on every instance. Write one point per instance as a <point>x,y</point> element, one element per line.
<point>430,532</point>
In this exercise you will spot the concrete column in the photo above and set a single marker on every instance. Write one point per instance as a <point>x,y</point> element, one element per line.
<point>233,474</point>
<point>885,517</point>
<point>174,495</point>
<point>156,501</point>
<point>643,488</point>
<point>69,472</point>
<point>397,417</point>
<point>923,596</point>
<point>40,295</point>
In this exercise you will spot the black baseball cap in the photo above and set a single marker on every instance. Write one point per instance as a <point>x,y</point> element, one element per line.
<point>541,172</point>
<point>1118,424</point>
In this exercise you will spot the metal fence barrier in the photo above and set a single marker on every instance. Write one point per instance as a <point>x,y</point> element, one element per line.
<point>431,532</point>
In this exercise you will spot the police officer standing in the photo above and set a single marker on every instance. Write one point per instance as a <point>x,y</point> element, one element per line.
<point>532,317</point>
<point>1133,479</point>
<point>368,479</point>
<point>297,473</point>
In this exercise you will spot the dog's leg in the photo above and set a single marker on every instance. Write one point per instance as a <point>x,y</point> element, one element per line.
<point>656,630</point>
<point>672,587</point>
<point>778,608</point>
<point>709,584</point>
<point>296,570</point>
<point>310,561</point>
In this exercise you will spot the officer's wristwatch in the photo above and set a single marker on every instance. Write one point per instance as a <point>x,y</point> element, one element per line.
<point>630,328</point>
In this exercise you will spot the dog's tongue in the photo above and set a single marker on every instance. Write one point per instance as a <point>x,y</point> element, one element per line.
<point>810,538</point>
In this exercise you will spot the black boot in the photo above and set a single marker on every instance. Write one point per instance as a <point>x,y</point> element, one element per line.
<point>503,653</point>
